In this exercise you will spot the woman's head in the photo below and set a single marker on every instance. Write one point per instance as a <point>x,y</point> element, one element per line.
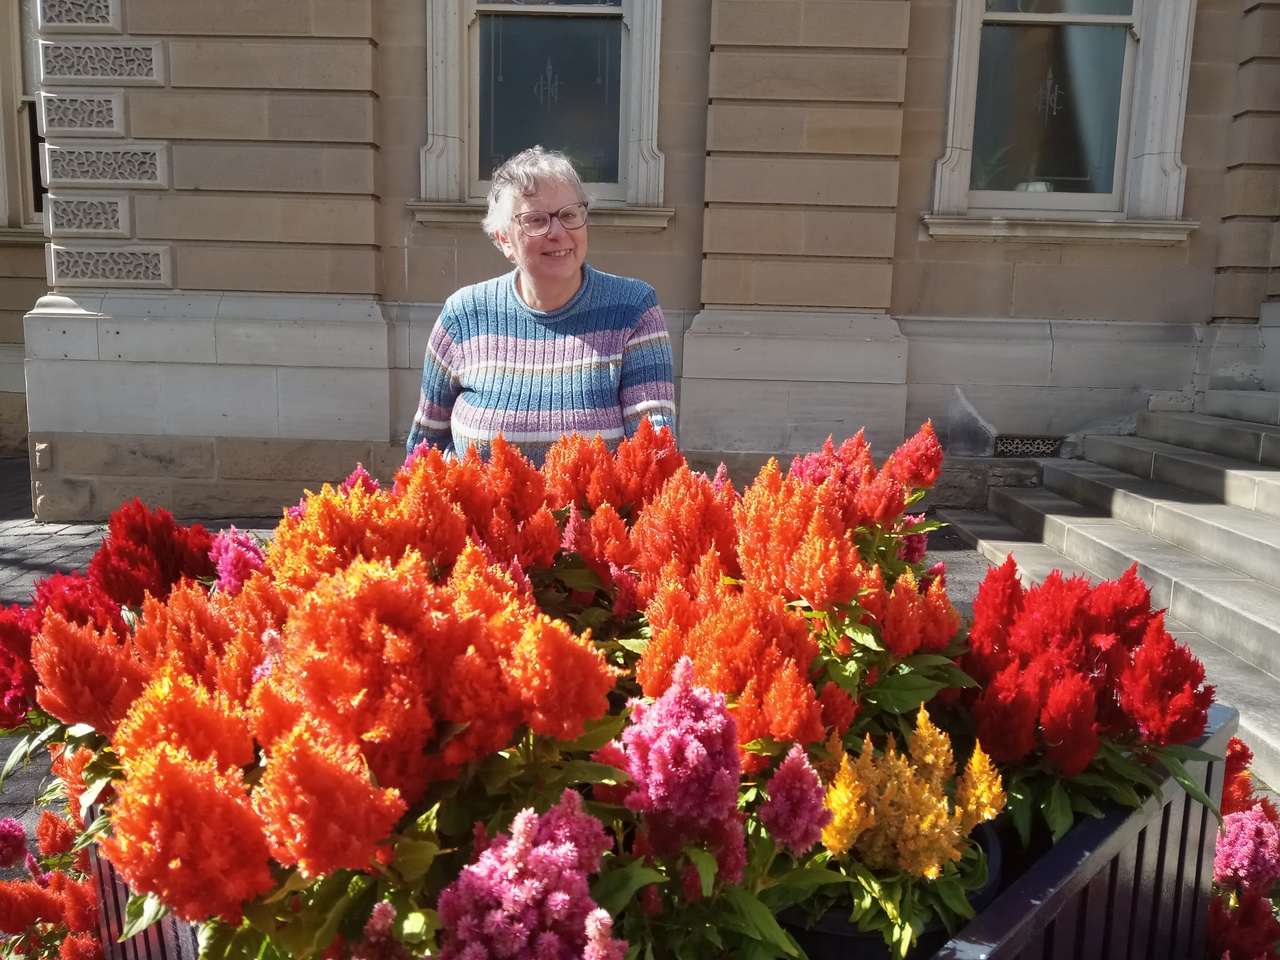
<point>523,176</point>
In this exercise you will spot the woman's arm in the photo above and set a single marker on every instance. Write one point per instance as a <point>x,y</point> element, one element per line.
<point>431,424</point>
<point>647,386</point>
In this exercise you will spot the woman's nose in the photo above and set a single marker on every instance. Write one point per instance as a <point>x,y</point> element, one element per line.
<point>555,227</point>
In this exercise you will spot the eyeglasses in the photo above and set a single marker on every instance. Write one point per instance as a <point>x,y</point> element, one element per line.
<point>535,223</point>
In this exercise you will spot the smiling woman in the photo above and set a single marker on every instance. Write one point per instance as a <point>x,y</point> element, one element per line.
<point>552,348</point>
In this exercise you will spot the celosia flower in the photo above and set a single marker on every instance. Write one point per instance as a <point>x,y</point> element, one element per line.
<point>687,519</point>
<point>379,941</point>
<point>581,471</point>
<point>36,871</point>
<point>68,766</point>
<point>794,813</point>
<point>914,546</point>
<point>1164,690</point>
<point>185,831</point>
<point>918,462</point>
<point>24,903</point>
<point>146,551</point>
<point>600,942</point>
<point>359,479</point>
<point>1248,854</point>
<point>1068,724</point>
<point>846,799</point>
<point>236,556</point>
<point>319,806</point>
<point>931,752</point>
<point>682,753</point>
<point>562,679</point>
<point>13,842</point>
<point>1248,932</point>
<point>79,901</point>
<point>1007,712</point>
<point>85,676</point>
<point>1237,783</point>
<point>54,835</point>
<point>526,896</point>
<point>838,709</point>
<point>174,710</point>
<point>80,946</point>
<point>980,793</point>
<point>646,460</point>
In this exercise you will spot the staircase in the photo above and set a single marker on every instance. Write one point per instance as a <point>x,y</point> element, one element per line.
<point>1194,498</point>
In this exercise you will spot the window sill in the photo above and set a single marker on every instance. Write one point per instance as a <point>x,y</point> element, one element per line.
<point>22,236</point>
<point>633,219</point>
<point>1161,233</point>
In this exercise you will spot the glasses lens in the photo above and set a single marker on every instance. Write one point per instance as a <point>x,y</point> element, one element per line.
<point>573,216</point>
<point>535,224</point>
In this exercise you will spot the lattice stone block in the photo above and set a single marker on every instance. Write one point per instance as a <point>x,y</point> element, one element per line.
<point>81,265</point>
<point>134,62</point>
<point>79,16</point>
<point>98,164</point>
<point>82,113</point>
<point>87,215</point>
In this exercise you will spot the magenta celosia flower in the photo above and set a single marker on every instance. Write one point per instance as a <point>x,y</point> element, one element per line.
<point>794,813</point>
<point>682,753</point>
<point>600,942</point>
<point>575,530</point>
<point>13,842</point>
<point>627,599</point>
<point>1248,856</point>
<point>526,896</point>
<point>359,479</point>
<point>236,556</point>
<point>914,545</point>
<point>379,941</point>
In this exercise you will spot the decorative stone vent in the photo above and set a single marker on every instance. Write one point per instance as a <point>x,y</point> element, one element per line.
<point>99,16</point>
<point>84,61</point>
<point>83,114</point>
<point>1028,446</point>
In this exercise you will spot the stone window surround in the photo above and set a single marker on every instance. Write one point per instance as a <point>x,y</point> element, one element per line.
<point>1156,176</point>
<point>445,159</point>
<point>17,224</point>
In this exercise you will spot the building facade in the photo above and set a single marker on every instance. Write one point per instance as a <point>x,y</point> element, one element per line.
<point>1026,220</point>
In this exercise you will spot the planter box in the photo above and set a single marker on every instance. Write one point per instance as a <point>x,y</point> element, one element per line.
<point>1134,884</point>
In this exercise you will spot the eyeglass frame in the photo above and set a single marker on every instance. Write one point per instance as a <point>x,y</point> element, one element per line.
<point>551,215</point>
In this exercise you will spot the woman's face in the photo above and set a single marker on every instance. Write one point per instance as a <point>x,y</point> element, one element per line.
<point>556,257</point>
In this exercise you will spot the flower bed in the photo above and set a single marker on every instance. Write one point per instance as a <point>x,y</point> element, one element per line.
<point>608,708</point>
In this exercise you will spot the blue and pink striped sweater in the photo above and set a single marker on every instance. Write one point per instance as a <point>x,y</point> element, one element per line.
<point>598,365</point>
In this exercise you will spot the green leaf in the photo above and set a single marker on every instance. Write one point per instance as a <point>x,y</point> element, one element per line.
<point>761,923</point>
<point>952,893</point>
<point>596,733</point>
<point>1081,803</point>
<point>1057,811</point>
<point>91,832</point>
<point>919,660</point>
<point>706,865</point>
<point>902,692</point>
<point>1189,784</point>
<point>634,644</point>
<point>20,754</point>
<point>141,912</point>
<point>615,888</point>
<point>1185,752</point>
<point>413,858</point>
<point>577,577</point>
<point>863,635</point>
<point>1019,807</point>
<point>416,925</point>
<point>588,771</point>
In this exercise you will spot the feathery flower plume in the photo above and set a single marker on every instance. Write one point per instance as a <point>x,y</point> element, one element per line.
<point>794,812</point>
<point>1248,854</point>
<point>236,556</point>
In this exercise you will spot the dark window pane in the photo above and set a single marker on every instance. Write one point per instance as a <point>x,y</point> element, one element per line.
<point>1119,8</point>
<point>553,81</point>
<point>33,130</point>
<point>557,3</point>
<point>1048,107</point>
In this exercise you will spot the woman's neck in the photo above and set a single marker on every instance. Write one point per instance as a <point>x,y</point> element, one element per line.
<point>547,297</point>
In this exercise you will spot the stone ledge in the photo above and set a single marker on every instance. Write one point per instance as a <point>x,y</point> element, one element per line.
<point>1162,233</point>
<point>634,219</point>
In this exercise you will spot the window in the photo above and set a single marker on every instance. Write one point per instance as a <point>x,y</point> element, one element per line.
<point>1066,110</point>
<point>577,75</point>
<point>21,192</point>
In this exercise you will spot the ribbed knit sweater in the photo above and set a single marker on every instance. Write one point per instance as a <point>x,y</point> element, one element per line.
<point>598,365</point>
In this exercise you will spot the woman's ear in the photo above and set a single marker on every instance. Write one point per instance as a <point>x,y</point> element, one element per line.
<point>504,244</point>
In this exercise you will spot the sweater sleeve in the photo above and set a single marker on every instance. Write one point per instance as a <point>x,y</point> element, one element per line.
<point>647,388</point>
<point>431,424</point>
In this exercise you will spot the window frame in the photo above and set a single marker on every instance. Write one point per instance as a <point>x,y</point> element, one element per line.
<point>19,109</point>
<point>1152,118</point>
<point>449,161</point>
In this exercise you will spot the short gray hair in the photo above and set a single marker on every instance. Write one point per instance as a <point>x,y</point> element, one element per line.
<point>523,175</point>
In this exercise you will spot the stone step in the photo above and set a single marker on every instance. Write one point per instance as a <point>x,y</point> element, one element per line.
<point>1256,406</point>
<point>1240,539</point>
<point>1250,442</point>
<point>1239,682</point>
<point>1222,479</point>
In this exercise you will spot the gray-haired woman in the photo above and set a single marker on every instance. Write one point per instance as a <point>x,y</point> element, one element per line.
<point>553,347</point>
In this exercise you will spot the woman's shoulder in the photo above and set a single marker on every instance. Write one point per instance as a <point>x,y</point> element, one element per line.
<point>625,289</point>
<point>486,291</point>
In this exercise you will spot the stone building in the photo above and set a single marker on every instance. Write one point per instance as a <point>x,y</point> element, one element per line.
<point>1024,219</point>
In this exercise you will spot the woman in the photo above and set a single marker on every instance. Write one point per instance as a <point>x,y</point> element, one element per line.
<point>553,347</point>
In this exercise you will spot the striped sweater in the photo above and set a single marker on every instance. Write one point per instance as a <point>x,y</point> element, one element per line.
<point>598,365</point>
